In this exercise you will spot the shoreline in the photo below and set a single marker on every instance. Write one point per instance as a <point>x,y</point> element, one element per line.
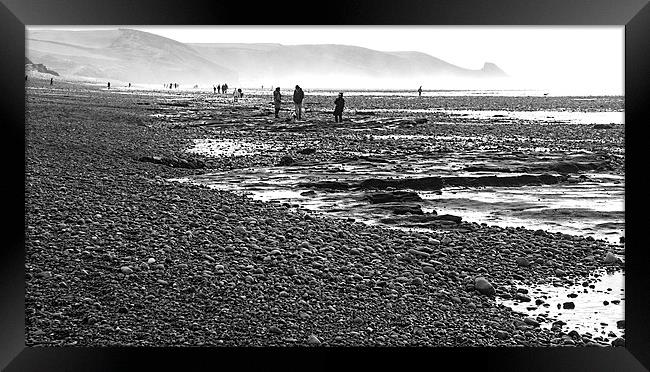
<point>272,277</point>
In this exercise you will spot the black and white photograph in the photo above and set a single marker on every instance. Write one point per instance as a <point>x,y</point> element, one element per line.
<point>324,186</point>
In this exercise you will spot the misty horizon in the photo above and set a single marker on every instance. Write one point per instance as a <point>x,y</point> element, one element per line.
<point>132,55</point>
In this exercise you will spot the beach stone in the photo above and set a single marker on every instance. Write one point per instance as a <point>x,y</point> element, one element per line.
<point>286,160</point>
<point>417,253</point>
<point>44,274</point>
<point>428,270</point>
<point>483,286</point>
<point>126,270</point>
<point>313,340</point>
<point>610,258</point>
<point>522,261</point>
<point>151,261</point>
<point>521,297</point>
<point>560,272</point>
<point>275,329</point>
<point>417,281</point>
<point>531,321</point>
<point>502,335</point>
<point>568,305</point>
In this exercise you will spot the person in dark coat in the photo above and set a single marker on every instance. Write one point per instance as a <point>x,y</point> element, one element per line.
<point>420,91</point>
<point>277,101</point>
<point>241,94</point>
<point>219,89</point>
<point>339,103</point>
<point>298,96</point>
<point>109,85</point>
<point>51,81</point>
<point>224,88</point>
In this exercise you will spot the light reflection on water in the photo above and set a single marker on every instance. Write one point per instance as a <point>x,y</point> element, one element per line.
<point>589,315</point>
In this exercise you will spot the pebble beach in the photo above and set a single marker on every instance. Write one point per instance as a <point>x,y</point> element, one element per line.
<point>120,253</point>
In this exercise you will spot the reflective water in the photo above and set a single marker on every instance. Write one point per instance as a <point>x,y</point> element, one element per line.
<point>599,305</point>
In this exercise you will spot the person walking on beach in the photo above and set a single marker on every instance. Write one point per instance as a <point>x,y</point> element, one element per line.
<point>235,95</point>
<point>241,94</point>
<point>339,103</point>
<point>129,85</point>
<point>219,89</point>
<point>171,85</point>
<point>214,89</point>
<point>420,91</point>
<point>298,96</point>
<point>109,85</point>
<point>277,101</point>
<point>51,81</point>
<point>224,88</point>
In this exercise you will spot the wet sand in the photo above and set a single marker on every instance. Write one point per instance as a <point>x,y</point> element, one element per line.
<point>119,253</point>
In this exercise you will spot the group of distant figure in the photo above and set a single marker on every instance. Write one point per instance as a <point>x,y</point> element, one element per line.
<point>223,88</point>
<point>298,97</point>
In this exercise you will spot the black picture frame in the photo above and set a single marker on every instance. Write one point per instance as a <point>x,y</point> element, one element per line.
<point>15,14</point>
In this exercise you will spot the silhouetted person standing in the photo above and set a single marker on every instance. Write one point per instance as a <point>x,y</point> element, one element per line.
<point>224,88</point>
<point>109,85</point>
<point>298,96</point>
<point>277,100</point>
<point>214,89</point>
<point>241,94</point>
<point>420,91</point>
<point>171,85</point>
<point>129,85</point>
<point>339,103</point>
<point>219,89</point>
<point>51,81</point>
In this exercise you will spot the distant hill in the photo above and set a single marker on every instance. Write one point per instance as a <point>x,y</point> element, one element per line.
<point>137,56</point>
<point>320,65</point>
<point>123,54</point>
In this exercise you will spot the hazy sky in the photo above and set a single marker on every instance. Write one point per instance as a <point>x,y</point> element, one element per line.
<point>568,56</point>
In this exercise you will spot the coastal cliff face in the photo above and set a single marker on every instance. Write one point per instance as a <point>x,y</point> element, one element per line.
<point>137,56</point>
